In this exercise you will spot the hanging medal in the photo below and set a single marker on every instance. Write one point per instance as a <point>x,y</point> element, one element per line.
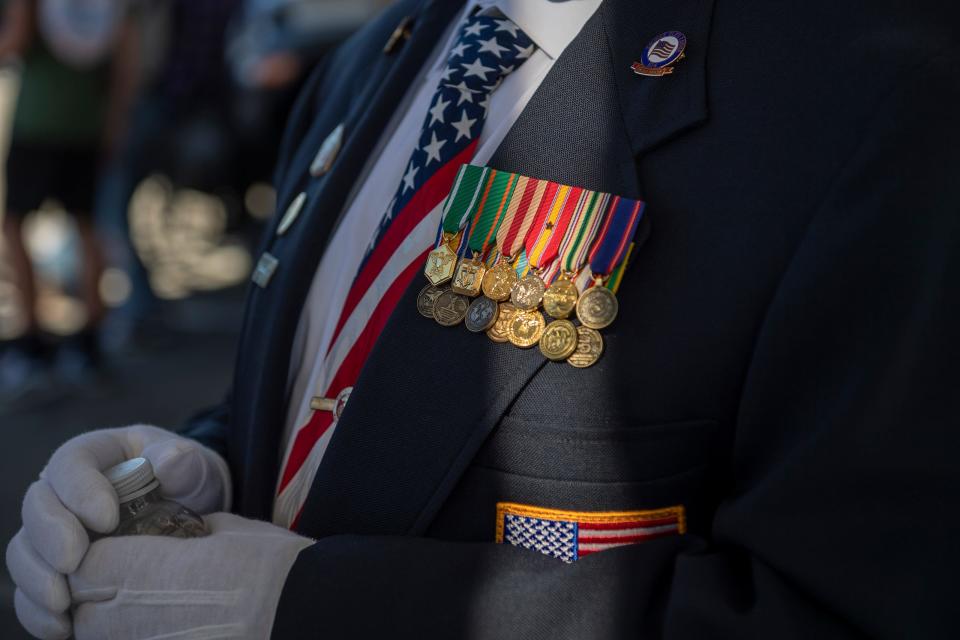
<point>500,276</point>
<point>483,311</point>
<point>542,246</point>
<point>436,300</point>
<point>560,338</point>
<point>597,307</point>
<point>561,297</point>
<point>442,261</point>
<point>589,341</point>
<point>542,243</point>
<point>519,216</point>
<point>468,277</point>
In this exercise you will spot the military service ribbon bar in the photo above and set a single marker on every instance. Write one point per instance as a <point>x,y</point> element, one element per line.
<point>524,243</point>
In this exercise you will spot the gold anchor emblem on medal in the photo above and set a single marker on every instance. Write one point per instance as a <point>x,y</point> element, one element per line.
<point>469,277</point>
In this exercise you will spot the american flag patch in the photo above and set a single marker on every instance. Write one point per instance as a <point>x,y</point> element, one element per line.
<point>570,535</point>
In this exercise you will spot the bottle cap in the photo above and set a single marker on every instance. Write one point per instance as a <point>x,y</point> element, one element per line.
<point>132,478</point>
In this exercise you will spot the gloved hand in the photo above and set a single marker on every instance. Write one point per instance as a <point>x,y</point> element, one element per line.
<point>225,585</point>
<point>72,495</point>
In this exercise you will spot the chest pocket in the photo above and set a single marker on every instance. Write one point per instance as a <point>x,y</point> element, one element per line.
<point>587,467</point>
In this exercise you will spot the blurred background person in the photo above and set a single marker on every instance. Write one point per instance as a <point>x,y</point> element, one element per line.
<point>271,46</point>
<point>69,116</point>
<point>177,130</point>
<point>183,194</point>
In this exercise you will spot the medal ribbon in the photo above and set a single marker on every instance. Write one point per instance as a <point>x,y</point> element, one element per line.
<point>520,215</point>
<point>492,209</point>
<point>583,227</point>
<point>613,282</point>
<point>467,187</point>
<point>476,211</point>
<point>615,235</point>
<point>554,215</point>
<point>521,266</point>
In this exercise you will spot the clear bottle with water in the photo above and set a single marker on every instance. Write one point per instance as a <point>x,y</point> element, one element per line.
<point>143,511</point>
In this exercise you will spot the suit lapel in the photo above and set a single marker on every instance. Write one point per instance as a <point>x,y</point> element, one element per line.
<point>259,397</point>
<point>429,396</point>
<point>656,109</point>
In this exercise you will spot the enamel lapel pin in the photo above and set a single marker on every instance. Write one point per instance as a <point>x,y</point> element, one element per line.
<point>660,54</point>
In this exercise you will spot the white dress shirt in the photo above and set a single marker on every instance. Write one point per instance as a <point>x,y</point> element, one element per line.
<point>552,25</point>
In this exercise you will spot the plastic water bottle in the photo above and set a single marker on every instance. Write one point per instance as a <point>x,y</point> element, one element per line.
<point>143,511</point>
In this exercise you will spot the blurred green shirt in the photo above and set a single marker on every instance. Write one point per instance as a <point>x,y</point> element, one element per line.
<point>60,104</point>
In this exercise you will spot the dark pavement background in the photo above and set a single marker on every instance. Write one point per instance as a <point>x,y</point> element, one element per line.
<point>181,365</point>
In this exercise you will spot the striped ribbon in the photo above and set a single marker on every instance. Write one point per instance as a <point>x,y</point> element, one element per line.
<point>491,191</point>
<point>583,229</point>
<point>616,277</point>
<point>520,214</point>
<point>494,211</point>
<point>522,265</point>
<point>541,225</point>
<point>461,201</point>
<point>615,235</point>
<point>578,239</point>
<point>538,239</point>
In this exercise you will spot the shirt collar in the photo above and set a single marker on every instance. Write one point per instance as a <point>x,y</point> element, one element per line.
<point>551,24</point>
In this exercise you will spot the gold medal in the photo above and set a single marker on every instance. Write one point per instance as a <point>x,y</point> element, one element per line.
<point>525,328</point>
<point>527,293</point>
<point>498,332</point>
<point>450,308</point>
<point>589,348</point>
<point>559,340</point>
<point>481,315</point>
<point>597,307</point>
<point>441,262</point>
<point>469,277</point>
<point>428,295</point>
<point>499,281</point>
<point>561,298</point>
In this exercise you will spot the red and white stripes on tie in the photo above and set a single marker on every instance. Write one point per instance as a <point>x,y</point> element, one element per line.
<point>486,51</point>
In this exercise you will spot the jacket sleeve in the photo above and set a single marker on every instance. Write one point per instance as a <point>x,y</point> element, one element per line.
<point>210,427</point>
<point>840,517</point>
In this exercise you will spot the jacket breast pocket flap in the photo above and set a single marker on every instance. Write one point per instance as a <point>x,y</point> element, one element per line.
<point>605,452</point>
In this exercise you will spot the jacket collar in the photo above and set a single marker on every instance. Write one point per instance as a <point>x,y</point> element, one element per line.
<point>655,109</point>
<point>272,313</point>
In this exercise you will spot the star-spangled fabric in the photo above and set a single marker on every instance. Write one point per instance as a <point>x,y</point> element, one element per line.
<point>570,540</point>
<point>487,49</point>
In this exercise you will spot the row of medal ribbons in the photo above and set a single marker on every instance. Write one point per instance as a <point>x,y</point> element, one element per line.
<point>509,245</point>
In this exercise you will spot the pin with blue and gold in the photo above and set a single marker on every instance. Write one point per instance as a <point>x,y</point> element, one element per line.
<point>660,54</point>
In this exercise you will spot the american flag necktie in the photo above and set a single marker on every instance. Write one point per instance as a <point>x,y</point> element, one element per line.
<point>487,49</point>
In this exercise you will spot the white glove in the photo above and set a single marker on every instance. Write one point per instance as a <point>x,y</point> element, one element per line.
<point>225,585</point>
<point>72,494</point>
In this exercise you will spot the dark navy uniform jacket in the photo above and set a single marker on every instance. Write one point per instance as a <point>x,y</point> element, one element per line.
<point>785,362</point>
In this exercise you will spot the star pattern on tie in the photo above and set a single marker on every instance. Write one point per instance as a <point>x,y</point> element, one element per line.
<point>436,111</point>
<point>492,46</point>
<point>477,69</point>
<point>485,52</point>
<point>463,126</point>
<point>409,177</point>
<point>433,149</point>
